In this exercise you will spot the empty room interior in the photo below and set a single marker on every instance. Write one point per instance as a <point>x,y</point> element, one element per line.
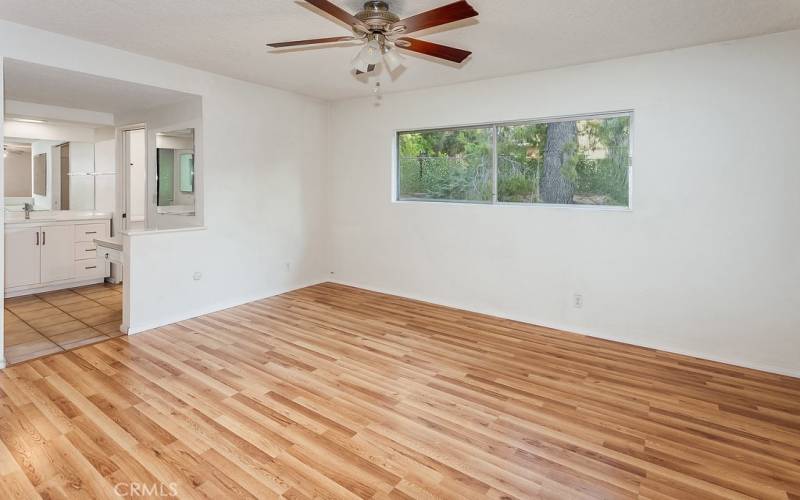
<point>400,249</point>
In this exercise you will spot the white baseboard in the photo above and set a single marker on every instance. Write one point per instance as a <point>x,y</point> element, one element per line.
<point>52,287</point>
<point>777,370</point>
<point>143,327</point>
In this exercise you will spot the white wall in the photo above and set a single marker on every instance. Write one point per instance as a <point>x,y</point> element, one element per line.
<point>2,215</point>
<point>264,155</point>
<point>58,113</point>
<point>105,151</point>
<point>49,132</point>
<point>81,187</point>
<point>706,263</point>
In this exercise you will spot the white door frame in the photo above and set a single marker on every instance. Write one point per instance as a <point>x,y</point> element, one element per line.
<point>123,181</point>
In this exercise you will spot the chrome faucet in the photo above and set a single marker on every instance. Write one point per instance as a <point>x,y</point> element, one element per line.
<point>27,207</point>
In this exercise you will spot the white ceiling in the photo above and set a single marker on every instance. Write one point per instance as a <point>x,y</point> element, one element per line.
<point>510,36</point>
<point>34,83</point>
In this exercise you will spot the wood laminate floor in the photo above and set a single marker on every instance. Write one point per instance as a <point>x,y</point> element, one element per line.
<point>336,392</point>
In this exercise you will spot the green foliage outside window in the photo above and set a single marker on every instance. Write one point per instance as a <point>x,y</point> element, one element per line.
<point>581,162</point>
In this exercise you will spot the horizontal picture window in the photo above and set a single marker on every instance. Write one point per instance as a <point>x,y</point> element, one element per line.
<point>573,161</point>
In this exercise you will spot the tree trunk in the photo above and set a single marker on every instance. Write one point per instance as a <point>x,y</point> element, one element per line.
<point>554,187</point>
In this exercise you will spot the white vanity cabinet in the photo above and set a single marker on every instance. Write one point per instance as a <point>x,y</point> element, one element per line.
<point>58,261</point>
<point>49,255</point>
<point>23,253</point>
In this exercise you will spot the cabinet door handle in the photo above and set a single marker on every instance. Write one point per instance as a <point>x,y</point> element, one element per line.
<point>91,232</point>
<point>37,238</point>
<point>90,250</point>
<point>91,267</point>
<point>44,238</point>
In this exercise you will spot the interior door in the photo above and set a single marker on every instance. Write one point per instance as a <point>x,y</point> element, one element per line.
<point>58,254</point>
<point>23,253</point>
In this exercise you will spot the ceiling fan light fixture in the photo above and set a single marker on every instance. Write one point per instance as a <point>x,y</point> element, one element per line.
<point>371,53</point>
<point>359,64</point>
<point>382,30</point>
<point>392,59</point>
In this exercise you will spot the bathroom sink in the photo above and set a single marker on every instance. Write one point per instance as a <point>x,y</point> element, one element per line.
<point>43,216</point>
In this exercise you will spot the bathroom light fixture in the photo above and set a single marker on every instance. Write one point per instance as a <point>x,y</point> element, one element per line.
<point>29,120</point>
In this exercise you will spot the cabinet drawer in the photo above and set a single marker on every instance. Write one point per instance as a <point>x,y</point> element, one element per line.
<point>88,269</point>
<point>85,250</point>
<point>88,232</point>
<point>109,255</point>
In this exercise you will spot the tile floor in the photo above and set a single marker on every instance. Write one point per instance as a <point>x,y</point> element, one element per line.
<point>46,323</point>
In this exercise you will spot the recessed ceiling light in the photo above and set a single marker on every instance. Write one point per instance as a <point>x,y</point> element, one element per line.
<point>29,120</point>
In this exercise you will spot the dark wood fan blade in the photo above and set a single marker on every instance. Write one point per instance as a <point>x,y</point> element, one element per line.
<point>433,49</point>
<point>311,42</point>
<point>370,69</point>
<point>436,17</point>
<point>336,11</point>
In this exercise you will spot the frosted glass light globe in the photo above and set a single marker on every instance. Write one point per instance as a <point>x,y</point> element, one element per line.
<point>371,53</point>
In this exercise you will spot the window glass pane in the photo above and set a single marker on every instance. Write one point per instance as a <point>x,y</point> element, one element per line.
<point>583,162</point>
<point>452,165</point>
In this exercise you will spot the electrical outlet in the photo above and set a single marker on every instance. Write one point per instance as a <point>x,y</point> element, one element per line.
<point>577,301</point>
<point>288,266</point>
<point>197,276</point>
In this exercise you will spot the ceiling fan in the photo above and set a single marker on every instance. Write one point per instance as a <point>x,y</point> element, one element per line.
<point>381,30</point>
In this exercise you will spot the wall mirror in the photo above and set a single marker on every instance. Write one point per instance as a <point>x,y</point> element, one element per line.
<point>175,184</point>
<point>40,174</point>
<point>50,174</point>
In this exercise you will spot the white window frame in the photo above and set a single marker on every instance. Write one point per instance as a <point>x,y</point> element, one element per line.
<point>494,126</point>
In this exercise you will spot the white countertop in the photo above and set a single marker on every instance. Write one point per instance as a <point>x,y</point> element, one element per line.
<point>55,216</point>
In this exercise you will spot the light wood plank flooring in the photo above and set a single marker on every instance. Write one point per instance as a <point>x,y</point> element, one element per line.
<point>47,323</point>
<point>335,392</point>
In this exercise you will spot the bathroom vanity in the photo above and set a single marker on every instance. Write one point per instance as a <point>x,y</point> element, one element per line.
<point>53,250</point>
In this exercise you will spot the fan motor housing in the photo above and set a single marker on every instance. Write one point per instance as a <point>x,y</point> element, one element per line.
<point>377,16</point>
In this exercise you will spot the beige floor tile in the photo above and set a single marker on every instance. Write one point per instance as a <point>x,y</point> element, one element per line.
<point>21,301</point>
<point>74,336</point>
<point>90,340</point>
<point>47,296</point>
<point>110,299</point>
<point>12,319</point>
<point>8,315</point>
<point>18,327</point>
<point>84,290</point>
<point>79,305</point>
<point>111,328</point>
<point>62,327</point>
<point>15,337</point>
<point>63,299</point>
<point>52,319</point>
<point>38,325</point>
<point>114,307</point>
<point>99,319</point>
<point>91,311</point>
<point>30,350</point>
<point>101,294</point>
<point>33,308</point>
